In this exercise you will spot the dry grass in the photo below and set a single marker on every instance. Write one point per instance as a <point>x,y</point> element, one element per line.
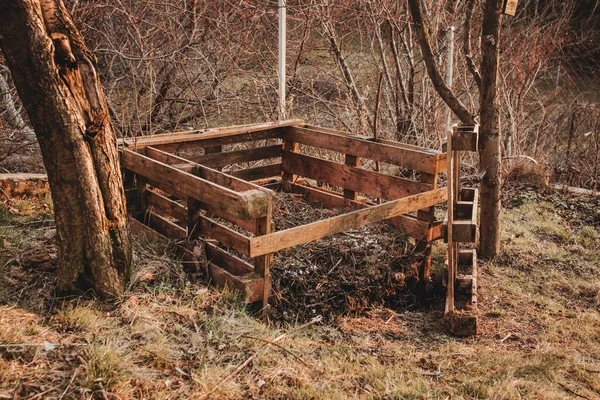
<point>540,312</point>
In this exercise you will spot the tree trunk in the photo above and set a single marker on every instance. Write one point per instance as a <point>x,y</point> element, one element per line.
<point>15,121</point>
<point>457,107</point>
<point>55,76</point>
<point>490,139</point>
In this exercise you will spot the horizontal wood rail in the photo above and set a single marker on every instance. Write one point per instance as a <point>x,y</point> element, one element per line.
<point>349,177</point>
<point>167,206</point>
<point>246,205</point>
<point>410,225</point>
<point>179,211</point>
<point>307,233</point>
<point>209,137</point>
<point>204,172</point>
<point>224,234</point>
<point>258,173</point>
<point>419,160</point>
<point>225,158</point>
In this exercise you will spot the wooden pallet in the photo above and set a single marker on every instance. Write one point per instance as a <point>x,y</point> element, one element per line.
<point>187,195</point>
<point>460,227</point>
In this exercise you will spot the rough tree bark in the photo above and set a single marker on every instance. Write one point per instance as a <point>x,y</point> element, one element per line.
<point>489,135</point>
<point>55,76</point>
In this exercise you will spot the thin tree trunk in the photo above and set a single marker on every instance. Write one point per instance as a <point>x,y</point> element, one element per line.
<point>15,120</point>
<point>55,77</point>
<point>433,71</point>
<point>490,138</point>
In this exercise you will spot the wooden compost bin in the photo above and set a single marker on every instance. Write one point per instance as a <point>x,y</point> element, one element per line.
<point>184,194</point>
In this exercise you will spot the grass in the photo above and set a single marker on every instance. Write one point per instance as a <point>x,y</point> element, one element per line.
<point>540,316</point>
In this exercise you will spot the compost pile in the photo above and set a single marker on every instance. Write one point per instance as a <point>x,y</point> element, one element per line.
<point>347,273</point>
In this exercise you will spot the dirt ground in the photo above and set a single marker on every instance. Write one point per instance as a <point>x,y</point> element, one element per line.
<point>169,339</point>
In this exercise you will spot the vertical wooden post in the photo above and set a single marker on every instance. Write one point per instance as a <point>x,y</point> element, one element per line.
<point>424,244</point>
<point>288,178</point>
<point>141,201</point>
<point>353,161</point>
<point>193,208</point>
<point>262,264</point>
<point>451,248</point>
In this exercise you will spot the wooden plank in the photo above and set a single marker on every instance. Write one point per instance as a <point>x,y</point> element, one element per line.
<point>215,151</point>
<point>223,159</point>
<point>164,226</point>
<point>288,178</point>
<point>440,157</point>
<point>212,175</point>
<point>246,205</point>
<point>209,140</point>
<point>410,225</point>
<point>232,264</point>
<point>207,136</point>
<point>262,264</point>
<point>225,235</point>
<point>422,161</point>
<point>249,286</point>
<point>370,138</point>
<point>326,198</point>
<point>465,138</point>
<point>167,206</point>
<point>352,161</point>
<point>358,179</point>
<point>424,244</point>
<point>247,224</point>
<point>303,234</point>
<point>257,173</point>
<point>464,228</point>
<point>188,258</point>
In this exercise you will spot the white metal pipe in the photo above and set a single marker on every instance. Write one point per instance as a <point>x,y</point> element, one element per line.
<point>449,72</point>
<point>282,53</point>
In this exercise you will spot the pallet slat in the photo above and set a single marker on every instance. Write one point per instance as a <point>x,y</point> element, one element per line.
<point>167,206</point>
<point>409,158</point>
<point>410,225</point>
<point>225,235</point>
<point>209,137</point>
<point>257,173</point>
<point>307,233</point>
<point>223,159</point>
<point>246,205</point>
<point>353,178</point>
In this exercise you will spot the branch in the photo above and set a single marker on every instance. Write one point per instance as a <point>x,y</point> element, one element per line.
<point>467,44</point>
<point>433,71</point>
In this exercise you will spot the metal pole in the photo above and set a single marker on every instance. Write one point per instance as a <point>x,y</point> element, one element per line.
<point>449,70</point>
<point>282,52</point>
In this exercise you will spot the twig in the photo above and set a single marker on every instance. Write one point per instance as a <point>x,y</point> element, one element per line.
<point>69,384</point>
<point>249,360</point>
<point>279,347</point>
<point>506,337</point>
<point>376,117</point>
<point>568,389</point>
<point>40,394</point>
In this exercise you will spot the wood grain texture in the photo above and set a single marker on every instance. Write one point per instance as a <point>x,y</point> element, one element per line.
<point>352,178</point>
<point>216,160</point>
<point>258,173</point>
<point>423,161</point>
<point>303,234</point>
<point>246,205</point>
